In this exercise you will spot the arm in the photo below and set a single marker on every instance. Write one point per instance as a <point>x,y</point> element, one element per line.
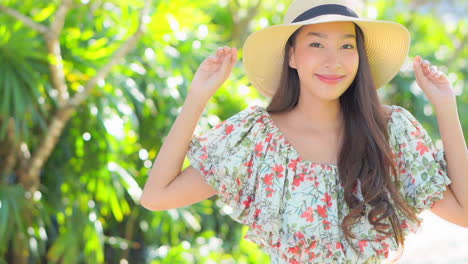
<point>456,155</point>
<point>166,186</point>
<point>454,206</point>
<point>162,187</point>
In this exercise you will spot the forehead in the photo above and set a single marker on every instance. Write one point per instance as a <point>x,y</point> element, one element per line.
<point>338,28</point>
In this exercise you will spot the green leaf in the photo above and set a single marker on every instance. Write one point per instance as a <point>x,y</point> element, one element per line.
<point>44,13</point>
<point>115,207</point>
<point>4,226</point>
<point>424,176</point>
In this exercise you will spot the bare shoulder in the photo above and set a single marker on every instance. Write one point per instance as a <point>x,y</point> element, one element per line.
<point>387,111</point>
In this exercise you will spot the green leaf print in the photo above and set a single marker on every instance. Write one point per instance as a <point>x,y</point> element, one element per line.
<point>248,123</point>
<point>430,190</point>
<point>425,161</point>
<point>424,176</point>
<point>246,142</point>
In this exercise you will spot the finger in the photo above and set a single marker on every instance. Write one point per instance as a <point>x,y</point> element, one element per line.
<point>211,58</point>
<point>418,70</point>
<point>234,55</point>
<point>226,60</point>
<point>426,67</point>
<point>219,52</point>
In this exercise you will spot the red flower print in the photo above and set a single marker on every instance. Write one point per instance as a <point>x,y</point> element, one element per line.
<point>339,245</point>
<point>308,214</point>
<point>402,170</point>
<point>293,164</point>
<point>416,134</point>
<point>205,155</point>
<point>278,244</point>
<point>278,168</point>
<point>248,201</point>
<point>268,179</point>
<point>269,137</point>
<point>386,248</point>
<point>258,149</point>
<point>249,164</point>
<point>385,245</point>
<point>327,199</point>
<point>269,191</point>
<point>298,179</point>
<point>404,224</point>
<point>299,235</point>
<point>362,244</point>
<point>229,129</point>
<point>238,181</point>
<point>260,120</point>
<point>257,213</point>
<point>322,211</point>
<point>422,148</point>
<point>294,250</point>
<point>255,226</point>
<point>327,224</point>
<point>313,245</point>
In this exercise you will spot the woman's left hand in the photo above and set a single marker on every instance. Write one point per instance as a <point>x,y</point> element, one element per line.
<point>434,83</point>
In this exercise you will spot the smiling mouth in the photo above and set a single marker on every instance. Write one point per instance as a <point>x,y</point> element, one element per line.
<point>330,79</point>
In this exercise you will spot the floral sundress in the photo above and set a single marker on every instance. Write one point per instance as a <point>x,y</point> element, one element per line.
<point>293,206</point>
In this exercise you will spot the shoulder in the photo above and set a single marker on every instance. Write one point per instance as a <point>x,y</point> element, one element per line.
<point>248,115</point>
<point>387,111</point>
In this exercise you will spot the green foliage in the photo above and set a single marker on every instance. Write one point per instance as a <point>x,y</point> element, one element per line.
<point>87,208</point>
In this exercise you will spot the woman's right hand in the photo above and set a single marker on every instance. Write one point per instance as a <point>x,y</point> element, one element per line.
<point>214,71</point>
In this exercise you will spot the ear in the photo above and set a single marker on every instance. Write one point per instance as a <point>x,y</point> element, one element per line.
<point>292,61</point>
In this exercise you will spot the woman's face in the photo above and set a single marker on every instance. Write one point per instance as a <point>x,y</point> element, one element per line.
<point>326,58</point>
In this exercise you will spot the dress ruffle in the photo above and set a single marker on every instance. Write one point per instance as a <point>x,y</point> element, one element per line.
<point>294,206</point>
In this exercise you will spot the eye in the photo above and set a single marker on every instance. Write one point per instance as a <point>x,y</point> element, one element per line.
<point>314,44</point>
<point>350,46</point>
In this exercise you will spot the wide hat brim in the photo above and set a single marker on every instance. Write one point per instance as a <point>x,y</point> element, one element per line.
<point>387,45</point>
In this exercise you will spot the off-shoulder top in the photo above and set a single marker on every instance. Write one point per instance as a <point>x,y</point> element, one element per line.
<point>294,206</point>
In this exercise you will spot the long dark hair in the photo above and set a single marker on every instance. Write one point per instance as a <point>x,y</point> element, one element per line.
<point>365,153</point>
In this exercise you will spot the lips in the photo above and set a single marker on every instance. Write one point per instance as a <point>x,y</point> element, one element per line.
<point>331,79</point>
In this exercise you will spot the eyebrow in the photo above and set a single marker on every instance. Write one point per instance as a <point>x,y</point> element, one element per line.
<point>322,35</point>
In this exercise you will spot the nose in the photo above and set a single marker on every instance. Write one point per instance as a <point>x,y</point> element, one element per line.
<point>331,59</point>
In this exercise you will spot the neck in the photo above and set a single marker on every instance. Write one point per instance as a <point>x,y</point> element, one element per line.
<point>317,115</point>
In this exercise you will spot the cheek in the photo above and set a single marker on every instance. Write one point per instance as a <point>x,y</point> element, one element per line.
<point>353,62</point>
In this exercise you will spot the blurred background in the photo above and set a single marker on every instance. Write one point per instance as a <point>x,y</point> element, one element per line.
<point>89,89</point>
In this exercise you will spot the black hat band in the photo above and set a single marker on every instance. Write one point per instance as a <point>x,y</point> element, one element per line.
<point>330,9</point>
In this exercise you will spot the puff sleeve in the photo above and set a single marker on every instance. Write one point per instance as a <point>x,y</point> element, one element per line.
<point>422,167</point>
<point>222,155</point>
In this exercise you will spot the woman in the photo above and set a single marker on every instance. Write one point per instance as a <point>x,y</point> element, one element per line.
<point>324,174</point>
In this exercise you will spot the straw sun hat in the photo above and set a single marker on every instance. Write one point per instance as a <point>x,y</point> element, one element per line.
<point>387,43</point>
